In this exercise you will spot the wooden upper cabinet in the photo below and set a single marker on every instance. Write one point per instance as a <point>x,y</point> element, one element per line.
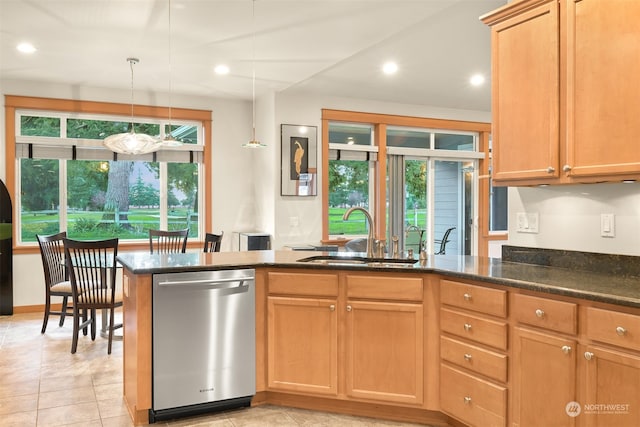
<point>603,107</point>
<point>526,93</point>
<point>566,100</point>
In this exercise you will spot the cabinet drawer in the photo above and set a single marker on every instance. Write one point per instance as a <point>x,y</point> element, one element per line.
<point>472,400</point>
<point>381,287</point>
<point>476,359</point>
<point>546,313</point>
<point>608,326</point>
<point>485,331</point>
<point>472,297</point>
<point>303,284</point>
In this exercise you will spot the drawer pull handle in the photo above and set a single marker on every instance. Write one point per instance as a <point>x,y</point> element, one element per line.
<point>332,307</point>
<point>551,169</point>
<point>349,308</point>
<point>621,331</point>
<point>467,297</point>
<point>588,355</point>
<point>539,313</point>
<point>467,400</point>
<point>467,357</point>
<point>467,327</point>
<point>566,349</point>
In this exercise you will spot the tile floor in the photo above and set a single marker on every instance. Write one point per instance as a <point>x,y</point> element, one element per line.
<point>43,384</point>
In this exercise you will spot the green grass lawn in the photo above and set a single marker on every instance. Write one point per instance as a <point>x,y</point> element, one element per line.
<point>92,225</point>
<point>357,223</point>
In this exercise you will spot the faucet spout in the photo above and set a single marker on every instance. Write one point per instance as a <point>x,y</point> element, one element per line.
<point>370,236</point>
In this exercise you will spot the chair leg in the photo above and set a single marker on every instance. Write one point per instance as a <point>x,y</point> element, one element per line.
<point>76,330</point>
<point>93,324</point>
<point>47,308</point>
<point>63,311</point>
<point>84,321</point>
<point>111,324</point>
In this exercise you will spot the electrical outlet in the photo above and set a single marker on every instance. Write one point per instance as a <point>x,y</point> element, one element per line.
<point>607,225</point>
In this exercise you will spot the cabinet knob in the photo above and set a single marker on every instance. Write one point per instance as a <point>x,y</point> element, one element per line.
<point>467,400</point>
<point>588,355</point>
<point>539,313</point>
<point>551,169</point>
<point>332,307</point>
<point>467,357</point>
<point>349,308</point>
<point>621,331</point>
<point>566,168</point>
<point>467,327</point>
<point>467,297</point>
<point>566,349</point>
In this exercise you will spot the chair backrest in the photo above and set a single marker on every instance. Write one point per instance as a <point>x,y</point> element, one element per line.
<point>444,241</point>
<point>52,252</point>
<point>212,242</point>
<point>92,271</point>
<point>166,242</point>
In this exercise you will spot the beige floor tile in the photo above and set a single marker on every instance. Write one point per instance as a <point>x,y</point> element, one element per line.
<point>11,405</point>
<point>20,419</point>
<point>64,382</point>
<point>19,388</point>
<point>82,413</point>
<point>121,421</point>
<point>108,391</point>
<point>112,408</point>
<point>66,397</point>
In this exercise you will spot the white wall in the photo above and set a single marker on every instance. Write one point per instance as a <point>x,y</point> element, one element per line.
<point>569,217</point>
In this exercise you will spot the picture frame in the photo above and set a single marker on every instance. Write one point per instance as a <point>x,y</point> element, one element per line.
<point>299,160</point>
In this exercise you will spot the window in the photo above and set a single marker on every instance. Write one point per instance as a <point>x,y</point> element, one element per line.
<point>67,181</point>
<point>420,176</point>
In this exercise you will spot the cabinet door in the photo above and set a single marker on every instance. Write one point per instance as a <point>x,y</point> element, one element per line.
<point>526,95</point>
<point>604,93</point>
<point>384,351</point>
<point>544,369</point>
<point>302,338</point>
<point>612,388</point>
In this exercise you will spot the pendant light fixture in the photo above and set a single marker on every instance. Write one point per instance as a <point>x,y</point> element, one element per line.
<point>253,143</point>
<point>132,142</point>
<point>169,140</point>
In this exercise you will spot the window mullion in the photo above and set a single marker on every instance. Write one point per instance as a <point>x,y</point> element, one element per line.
<point>62,202</point>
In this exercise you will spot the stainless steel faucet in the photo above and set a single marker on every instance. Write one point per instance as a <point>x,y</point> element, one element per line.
<point>370,237</point>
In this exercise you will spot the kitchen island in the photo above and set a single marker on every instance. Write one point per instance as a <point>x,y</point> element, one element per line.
<point>327,334</point>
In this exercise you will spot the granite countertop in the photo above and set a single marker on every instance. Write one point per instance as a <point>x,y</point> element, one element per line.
<point>608,286</point>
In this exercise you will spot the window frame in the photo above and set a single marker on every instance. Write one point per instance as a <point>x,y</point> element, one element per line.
<point>380,123</point>
<point>14,104</point>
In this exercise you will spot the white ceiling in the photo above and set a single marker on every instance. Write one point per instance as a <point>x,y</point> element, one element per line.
<point>331,47</point>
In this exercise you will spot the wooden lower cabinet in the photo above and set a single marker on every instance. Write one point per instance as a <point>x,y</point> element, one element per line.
<point>471,399</point>
<point>611,388</point>
<point>302,335</point>
<point>384,351</point>
<point>544,383</point>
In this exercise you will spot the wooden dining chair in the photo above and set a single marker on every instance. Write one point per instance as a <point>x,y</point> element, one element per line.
<point>92,272</point>
<point>165,242</point>
<point>212,242</point>
<point>56,281</point>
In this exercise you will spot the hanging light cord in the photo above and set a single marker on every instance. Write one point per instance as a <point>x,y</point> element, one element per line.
<point>170,87</point>
<point>253,66</point>
<point>131,62</point>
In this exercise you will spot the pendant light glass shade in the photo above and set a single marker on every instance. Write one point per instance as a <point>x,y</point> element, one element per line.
<point>254,143</point>
<point>132,142</point>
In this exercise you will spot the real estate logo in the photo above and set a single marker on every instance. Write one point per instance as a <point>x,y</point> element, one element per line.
<point>573,409</point>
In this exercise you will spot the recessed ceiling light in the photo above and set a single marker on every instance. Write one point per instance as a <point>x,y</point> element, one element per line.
<point>221,69</point>
<point>477,80</point>
<point>390,67</point>
<point>26,48</point>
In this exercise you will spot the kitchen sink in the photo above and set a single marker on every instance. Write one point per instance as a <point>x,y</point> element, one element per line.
<point>356,260</point>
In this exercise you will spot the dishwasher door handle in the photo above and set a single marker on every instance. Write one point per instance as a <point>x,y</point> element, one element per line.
<point>208,283</point>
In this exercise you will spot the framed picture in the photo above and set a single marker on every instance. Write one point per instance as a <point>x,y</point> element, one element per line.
<point>299,160</point>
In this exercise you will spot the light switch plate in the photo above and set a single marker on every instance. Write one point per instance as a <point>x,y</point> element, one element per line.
<point>607,225</point>
<point>527,222</point>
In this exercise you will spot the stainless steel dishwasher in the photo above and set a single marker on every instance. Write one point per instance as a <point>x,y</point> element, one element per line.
<point>203,342</point>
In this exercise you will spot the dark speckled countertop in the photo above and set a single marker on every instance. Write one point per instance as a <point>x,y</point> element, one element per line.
<point>592,279</point>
